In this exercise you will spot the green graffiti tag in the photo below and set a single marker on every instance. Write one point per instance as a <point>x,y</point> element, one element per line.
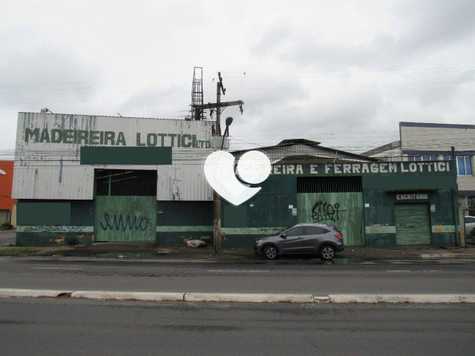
<point>119,222</point>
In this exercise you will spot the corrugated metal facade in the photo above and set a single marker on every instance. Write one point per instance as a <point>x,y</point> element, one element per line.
<point>48,152</point>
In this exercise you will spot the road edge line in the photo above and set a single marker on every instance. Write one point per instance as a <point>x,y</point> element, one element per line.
<point>402,298</point>
<point>197,297</point>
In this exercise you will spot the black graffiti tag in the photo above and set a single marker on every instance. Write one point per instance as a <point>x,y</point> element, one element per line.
<point>123,223</point>
<point>324,211</point>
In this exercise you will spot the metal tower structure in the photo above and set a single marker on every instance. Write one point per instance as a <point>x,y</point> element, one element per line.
<point>197,94</point>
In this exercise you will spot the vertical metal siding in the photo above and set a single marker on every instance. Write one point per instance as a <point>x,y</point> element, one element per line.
<point>52,170</point>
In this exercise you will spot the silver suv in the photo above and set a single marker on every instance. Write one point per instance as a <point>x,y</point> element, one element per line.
<point>303,239</point>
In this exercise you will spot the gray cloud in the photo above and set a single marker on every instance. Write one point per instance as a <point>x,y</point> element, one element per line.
<point>328,122</point>
<point>423,26</point>
<point>433,23</point>
<point>45,77</point>
<point>158,101</point>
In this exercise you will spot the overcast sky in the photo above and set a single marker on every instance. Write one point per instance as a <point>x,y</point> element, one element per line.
<point>340,72</point>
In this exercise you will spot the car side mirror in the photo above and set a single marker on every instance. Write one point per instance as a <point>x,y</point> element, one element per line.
<point>284,236</point>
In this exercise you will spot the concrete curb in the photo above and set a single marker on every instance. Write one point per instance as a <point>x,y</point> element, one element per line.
<point>402,298</point>
<point>248,298</point>
<point>139,296</point>
<point>33,293</point>
<point>242,297</point>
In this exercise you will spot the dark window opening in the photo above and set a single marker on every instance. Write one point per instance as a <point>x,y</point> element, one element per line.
<point>315,230</point>
<point>328,184</point>
<point>296,231</point>
<point>125,182</point>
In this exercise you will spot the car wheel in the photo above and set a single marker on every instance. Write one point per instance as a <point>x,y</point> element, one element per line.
<point>327,253</point>
<point>270,252</point>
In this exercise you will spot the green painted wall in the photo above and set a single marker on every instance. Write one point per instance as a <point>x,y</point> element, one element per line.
<point>43,222</point>
<point>380,195</point>
<point>380,240</point>
<point>125,218</point>
<point>43,212</point>
<point>345,210</point>
<point>181,220</point>
<point>443,239</point>
<point>266,213</point>
<point>47,223</point>
<point>82,213</point>
<point>270,207</point>
<point>126,155</point>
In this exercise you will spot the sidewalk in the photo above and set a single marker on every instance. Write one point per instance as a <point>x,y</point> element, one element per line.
<point>144,252</point>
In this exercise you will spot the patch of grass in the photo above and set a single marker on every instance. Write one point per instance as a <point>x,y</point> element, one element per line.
<point>19,251</point>
<point>22,251</point>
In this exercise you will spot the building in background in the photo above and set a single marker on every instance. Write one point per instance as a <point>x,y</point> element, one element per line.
<point>433,142</point>
<point>374,203</point>
<point>110,178</point>
<point>7,204</point>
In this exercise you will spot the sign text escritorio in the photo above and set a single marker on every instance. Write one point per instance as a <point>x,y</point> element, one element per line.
<point>362,168</point>
<point>112,138</point>
<point>412,196</point>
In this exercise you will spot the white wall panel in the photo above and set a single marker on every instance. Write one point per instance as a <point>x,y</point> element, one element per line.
<point>437,138</point>
<point>53,181</point>
<point>50,170</point>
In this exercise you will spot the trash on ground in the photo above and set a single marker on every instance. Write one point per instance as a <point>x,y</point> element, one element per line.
<point>195,243</point>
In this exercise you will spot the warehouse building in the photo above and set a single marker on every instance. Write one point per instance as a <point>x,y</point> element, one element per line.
<point>114,179</point>
<point>373,203</point>
<point>110,178</point>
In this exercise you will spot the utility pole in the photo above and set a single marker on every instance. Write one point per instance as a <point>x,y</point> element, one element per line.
<point>217,233</point>
<point>220,90</point>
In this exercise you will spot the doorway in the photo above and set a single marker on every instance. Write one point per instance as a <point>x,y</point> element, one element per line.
<point>125,205</point>
<point>412,224</point>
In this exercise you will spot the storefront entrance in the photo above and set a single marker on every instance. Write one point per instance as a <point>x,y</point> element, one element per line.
<point>412,224</point>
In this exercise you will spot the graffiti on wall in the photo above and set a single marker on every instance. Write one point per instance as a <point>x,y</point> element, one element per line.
<point>120,222</point>
<point>323,211</point>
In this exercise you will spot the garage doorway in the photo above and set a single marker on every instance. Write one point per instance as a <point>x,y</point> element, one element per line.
<point>412,224</point>
<point>333,200</point>
<point>125,205</point>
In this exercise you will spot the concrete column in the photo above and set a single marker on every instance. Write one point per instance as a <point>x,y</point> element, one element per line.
<point>462,203</point>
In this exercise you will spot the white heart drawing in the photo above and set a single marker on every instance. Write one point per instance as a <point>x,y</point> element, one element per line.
<point>219,172</point>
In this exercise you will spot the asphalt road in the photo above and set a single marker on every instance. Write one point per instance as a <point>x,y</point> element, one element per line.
<point>65,327</point>
<point>185,277</point>
<point>7,237</point>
